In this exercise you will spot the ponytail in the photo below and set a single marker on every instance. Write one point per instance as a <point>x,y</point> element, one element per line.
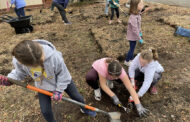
<point>155,54</point>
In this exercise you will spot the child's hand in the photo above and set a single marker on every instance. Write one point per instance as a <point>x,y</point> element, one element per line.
<point>57,96</point>
<point>4,81</point>
<point>141,41</point>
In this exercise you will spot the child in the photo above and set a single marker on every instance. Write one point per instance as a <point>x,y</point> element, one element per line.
<point>107,8</point>
<point>146,66</point>
<point>182,31</point>
<point>134,28</point>
<point>46,66</point>
<point>61,6</point>
<point>114,7</point>
<point>19,7</point>
<point>101,76</point>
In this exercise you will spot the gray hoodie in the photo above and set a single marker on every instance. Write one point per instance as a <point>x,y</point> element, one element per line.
<point>56,74</point>
<point>148,70</point>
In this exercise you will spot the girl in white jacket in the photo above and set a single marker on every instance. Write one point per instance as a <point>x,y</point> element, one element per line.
<point>146,66</point>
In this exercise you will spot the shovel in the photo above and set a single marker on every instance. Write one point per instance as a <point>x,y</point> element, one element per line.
<point>113,116</point>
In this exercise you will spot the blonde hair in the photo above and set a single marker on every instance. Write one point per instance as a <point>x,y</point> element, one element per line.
<point>149,55</point>
<point>134,7</point>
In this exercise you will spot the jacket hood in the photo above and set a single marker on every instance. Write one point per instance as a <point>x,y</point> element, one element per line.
<point>48,48</point>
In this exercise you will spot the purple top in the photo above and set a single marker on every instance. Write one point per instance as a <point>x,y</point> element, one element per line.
<point>134,27</point>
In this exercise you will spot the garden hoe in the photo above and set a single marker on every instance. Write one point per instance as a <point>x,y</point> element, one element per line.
<point>113,116</point>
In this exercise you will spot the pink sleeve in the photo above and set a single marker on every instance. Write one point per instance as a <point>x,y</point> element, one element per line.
<point>123,74</point>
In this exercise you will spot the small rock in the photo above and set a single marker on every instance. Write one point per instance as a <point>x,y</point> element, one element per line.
<point>172,116</point>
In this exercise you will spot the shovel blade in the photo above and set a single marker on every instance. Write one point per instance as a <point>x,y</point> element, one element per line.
<point>115,116</point>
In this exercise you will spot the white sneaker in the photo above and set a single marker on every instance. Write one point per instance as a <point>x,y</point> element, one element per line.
<point>127,63</point>
<point>97,94</point>
<point>110,84</point>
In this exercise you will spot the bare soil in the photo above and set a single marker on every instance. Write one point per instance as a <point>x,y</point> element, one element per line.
<point>90,37</point>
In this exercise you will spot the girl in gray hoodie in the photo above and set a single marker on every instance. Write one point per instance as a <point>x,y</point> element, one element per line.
<point>40,60</point>
<point>146,68</point>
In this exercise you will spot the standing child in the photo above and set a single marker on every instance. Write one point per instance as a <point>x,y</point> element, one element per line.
<point>19,7</point>
<point>61,5</point>
<point>146,69</point>
<point>114,5</point>
<point>107,8</point>
<point>40,60</point>
<point>134,28</point>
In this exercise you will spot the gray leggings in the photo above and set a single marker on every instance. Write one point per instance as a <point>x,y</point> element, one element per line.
<point>139,76</point>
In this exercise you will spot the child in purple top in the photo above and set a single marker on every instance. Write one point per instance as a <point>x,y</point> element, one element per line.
<point>134,28</point>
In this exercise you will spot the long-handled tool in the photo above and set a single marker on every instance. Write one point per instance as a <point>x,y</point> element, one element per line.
<point>114,116</point>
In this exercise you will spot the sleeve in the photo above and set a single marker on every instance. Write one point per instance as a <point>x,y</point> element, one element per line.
<point>63,76</point>
<point>12,2</point>
<point>135,29</point>
<point>148,78</point>
<point>123,74</point>
<point>18,73</point>
<point>133,66</point>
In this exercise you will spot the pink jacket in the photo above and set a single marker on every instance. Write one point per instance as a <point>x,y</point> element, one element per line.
<point>134,27</point>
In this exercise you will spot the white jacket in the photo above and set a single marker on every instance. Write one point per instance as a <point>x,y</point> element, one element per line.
<point>148,70</point>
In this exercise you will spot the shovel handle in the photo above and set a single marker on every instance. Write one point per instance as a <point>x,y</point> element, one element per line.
<point>51,94</point>
<point>90,107</point>
<point>39,90</point>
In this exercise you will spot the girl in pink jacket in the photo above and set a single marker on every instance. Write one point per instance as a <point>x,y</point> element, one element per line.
<point>134,28</point>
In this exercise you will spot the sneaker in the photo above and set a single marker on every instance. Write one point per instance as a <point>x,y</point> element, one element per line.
<point>110,22</point>
<point>69,23</point>
<point>110,84</point>
<point>88,112</point>
<point>119,21</point>
<point>97,94</point>
<point>106,15</point>
<point>153,90</point>
<point>127,63</point>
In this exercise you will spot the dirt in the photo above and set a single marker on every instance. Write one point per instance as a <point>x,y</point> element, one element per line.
<point>90,37</point>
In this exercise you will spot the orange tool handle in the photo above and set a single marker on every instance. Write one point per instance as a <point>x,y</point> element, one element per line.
<point>90,107</point>
<point>39,90</point>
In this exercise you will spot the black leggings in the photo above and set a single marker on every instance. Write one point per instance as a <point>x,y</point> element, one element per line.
<point>139,76</point>
<point>92,79</point>
<point>112,13</point>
